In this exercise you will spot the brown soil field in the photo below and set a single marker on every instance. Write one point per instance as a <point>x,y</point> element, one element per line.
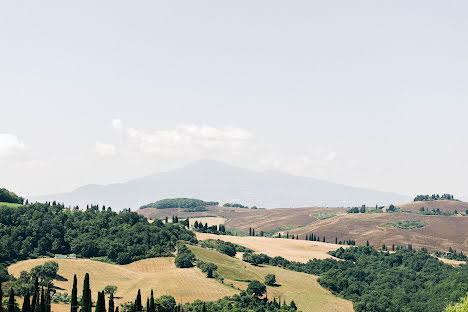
<point>443,205</point>
<point>294,250</point>
<point>441,233</point>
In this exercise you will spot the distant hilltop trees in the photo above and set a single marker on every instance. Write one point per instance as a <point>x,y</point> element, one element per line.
<point>187,203</point>
<point>434,197</point>
<point>9,197</point>
<point>236,205</point>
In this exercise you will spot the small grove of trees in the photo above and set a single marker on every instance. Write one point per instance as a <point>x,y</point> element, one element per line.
<point>7,196</point>
<point>434,197</point>
<point>270,279</point>
<point>179,203</point>
<point>213,229</point>
<point>185,257</point>
<point>256,288</point>
<point>208,268</point>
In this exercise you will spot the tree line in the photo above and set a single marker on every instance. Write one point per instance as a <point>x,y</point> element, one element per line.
<point>7,196</point>
<point>179,203</point>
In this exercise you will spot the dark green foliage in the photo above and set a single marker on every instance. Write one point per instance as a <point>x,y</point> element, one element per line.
<point>86,301</point>
<point>242,302</point>
<point>11,301</point>
<point>138,306</point>
<point>256,288</point>
<point>101,302</point>
<point>270,280</point>
<point>185,257</point>
<point>9,197</point>
<point>74,298</point>
<point>374,281</point>
<point>179,203</point>
<point>152,307</point>
<point>235,205</point>
<point>111,303</point>
<point>26,303</point>
<point>110,289</point>
<point>39,229</point>
<point>207,267</point>
<point>165,304</point>
<point>434,197</point>
<point>226,248</point>
<point>255,259</point>
<point>293,305</point>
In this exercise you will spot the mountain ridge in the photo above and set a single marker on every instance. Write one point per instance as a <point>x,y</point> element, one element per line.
<point>215,180</point>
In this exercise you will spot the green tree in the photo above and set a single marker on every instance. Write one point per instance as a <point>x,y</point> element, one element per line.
<point>74,296</point>
<point>26,303</point>
<point>184,258</point>
<point>110,289</point>
<point>256,288</point>
<point>152,306</point>
<point>293,305</point>
<point>138,305</point>
<point>270,279</point>
<point>111,303</point>
<point>11,301</point>
<point>86,298</point>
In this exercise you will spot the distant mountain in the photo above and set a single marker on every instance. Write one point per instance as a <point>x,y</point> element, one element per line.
<point>217,181</point>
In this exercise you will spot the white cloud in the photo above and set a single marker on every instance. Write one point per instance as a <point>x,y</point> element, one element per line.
<point>330,156</point>
<point>105,150</point>
<point>117,124</point>
<point>190,139</point>
<point>12,148</point>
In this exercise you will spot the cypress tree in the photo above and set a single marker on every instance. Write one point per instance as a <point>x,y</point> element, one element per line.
<point>111,303</point>
<point>323,239</point>
<point>138,306</point>
<point>147,304</point>
<point>101,302</point>
<point>250,231</point>
<point>74,296</point>
<point>11,301</point>
<point>42,306</point>
<point>293,305</point>
<point>26,303</point>
<point>204,306</point>
<point>86,303</point>
<point>307,237</point>
<point>35,295</point>
<point>336,240</point>
<point>253,232</point>
<point>117,309</point>
<point>48,300</point>
<point>152,306</point>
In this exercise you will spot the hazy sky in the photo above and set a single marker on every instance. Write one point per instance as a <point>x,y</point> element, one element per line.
<point>365,93</point>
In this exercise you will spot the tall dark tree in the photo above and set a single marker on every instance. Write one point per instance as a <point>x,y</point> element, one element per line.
<point>147,304</point>
<point>74,296</point>
<point>26,303</point>
<point>48,299</point>
<point>42,305</point>
<point>11,301</point>
<point>138,306</point>
<point>111,303</point>
<point>152,306</point>
<point>35,297</point>
<point>101,302</point>
<point>86,298</point>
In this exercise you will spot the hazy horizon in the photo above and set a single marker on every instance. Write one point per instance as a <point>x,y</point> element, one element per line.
<point>364,94</point>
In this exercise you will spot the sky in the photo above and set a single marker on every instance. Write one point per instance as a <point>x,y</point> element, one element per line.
<point>365,93</point>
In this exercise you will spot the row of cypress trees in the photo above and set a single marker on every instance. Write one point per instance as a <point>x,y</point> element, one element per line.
<point>86,299</point>
<point>40,302</point>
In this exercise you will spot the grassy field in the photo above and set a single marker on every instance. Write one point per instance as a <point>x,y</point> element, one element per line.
<point>10,204</point>
<point>406,224</point>
<point>295,250</point>
<point>159,274</point>
<point>303,288</point>
<point>210,220</point>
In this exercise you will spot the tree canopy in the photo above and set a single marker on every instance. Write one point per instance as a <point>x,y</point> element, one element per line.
<point>7,196</point>
<point>179,203</point>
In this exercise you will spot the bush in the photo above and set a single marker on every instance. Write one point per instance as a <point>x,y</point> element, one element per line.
<point>270,279</point>
<point>184,258</point>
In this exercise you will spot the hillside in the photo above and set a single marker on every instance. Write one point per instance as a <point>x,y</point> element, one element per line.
<point>212,180</point>
<point>443,205</point>
<point>161,275</point>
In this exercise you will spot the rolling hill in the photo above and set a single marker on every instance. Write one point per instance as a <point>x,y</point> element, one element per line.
<point>212,180</point>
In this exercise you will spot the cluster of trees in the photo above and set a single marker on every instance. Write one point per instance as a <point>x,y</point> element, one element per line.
<point>226,248</point>
<point>434,197</point>
<point>436,212</point>
<point>213,229</point>
<point>236,205</point>
<point>43,230</point>
<point>26,282</point>
<point>246,301</point>
<point>185,257</point>
<point>208,268</point>
<point>40,302</point>
<point>7,196</point>
<point>179,203</point>
<point>406,280</point>
<point>452,254</point>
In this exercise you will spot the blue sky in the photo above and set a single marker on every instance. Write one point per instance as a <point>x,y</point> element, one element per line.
<point>364,93</point>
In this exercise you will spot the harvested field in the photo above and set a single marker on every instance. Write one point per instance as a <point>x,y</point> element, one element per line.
<point>443,205</point>
<point>440,233</point>
<point>210,220</point>
<point>294,250</point>
<point>159,274</point>
<point>303,288</point>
